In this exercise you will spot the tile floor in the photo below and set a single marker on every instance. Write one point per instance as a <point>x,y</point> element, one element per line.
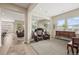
<point>16,46</point>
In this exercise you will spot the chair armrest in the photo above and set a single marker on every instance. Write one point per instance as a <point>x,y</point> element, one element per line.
<point>35,34</point>
<point>75,37</point>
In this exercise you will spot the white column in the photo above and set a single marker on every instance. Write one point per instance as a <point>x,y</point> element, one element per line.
<point>0,35</point>
<point>27,26</point>
<point>51,28</point>
<point>53,24</point>
<point>0,28</point>
<point>66,24</point>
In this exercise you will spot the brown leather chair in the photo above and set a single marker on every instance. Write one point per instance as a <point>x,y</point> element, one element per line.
<point>20,34</point>
<point>73,44</point>
<point>40,34</point>
<point>46,35</point>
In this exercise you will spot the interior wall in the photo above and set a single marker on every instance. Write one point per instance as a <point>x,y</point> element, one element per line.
<point>27,17</point>
<point>66,15</point>
<point>13,8</point>
<point>7,26</point>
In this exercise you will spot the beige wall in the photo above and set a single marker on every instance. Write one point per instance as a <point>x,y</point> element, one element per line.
<point>66,15</point>
<point>27,17</point>
<point>12,7</point>
<point>73,13</point>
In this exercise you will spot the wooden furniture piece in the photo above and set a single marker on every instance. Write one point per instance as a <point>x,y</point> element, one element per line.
<point>73,44</point>
<point>66,34</point>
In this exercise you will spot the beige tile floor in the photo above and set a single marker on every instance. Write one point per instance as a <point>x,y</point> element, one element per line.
<point>15,46</point>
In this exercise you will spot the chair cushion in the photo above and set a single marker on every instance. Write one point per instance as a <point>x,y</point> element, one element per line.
<point>35,33</point>
<point>39,32</point>
<point>70,43</point>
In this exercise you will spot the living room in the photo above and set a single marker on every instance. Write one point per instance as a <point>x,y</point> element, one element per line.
<point>59,20</point>
<point>63,25</point>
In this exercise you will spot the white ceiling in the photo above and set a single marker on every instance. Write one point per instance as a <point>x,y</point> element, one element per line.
<point>53,9</point>
<point>47,10</point>
<point>24,5</point>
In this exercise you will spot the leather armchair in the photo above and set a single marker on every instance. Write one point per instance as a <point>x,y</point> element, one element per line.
<point>20,33</point>
<point>40,34</point>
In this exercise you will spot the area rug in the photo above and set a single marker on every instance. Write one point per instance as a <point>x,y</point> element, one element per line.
<point>50,47</point>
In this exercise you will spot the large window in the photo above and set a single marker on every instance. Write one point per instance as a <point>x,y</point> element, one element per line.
<point>34,24</point>
<point>69,24</point>
<point>60,24</point>
<point>73,23</point>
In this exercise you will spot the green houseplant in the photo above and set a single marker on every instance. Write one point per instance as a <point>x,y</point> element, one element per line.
<point>64,26</point>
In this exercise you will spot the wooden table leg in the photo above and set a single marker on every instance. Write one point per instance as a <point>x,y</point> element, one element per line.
<point>72,50</point>
<point>77,51</point>
<point>67,49</point>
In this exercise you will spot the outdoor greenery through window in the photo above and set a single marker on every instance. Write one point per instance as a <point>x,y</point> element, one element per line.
<point>61,24</point>
<point>71,24</point>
